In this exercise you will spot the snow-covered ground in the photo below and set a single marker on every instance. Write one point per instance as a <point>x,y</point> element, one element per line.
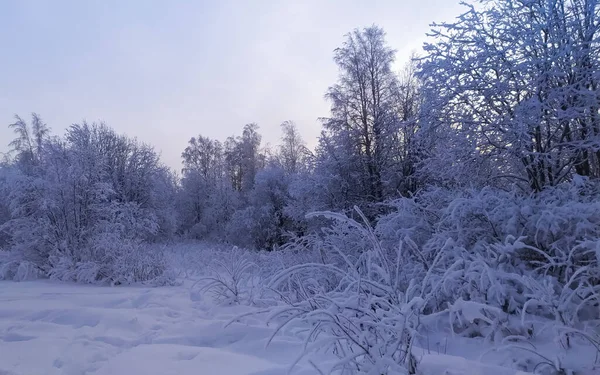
<point>58,328</point>
<point>54,328</point>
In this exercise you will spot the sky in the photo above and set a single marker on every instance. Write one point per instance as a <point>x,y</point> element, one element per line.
<point>164,71</point>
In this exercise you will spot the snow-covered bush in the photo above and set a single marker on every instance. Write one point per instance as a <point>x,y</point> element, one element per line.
<point>494,264</point>
<point>232,278</point>
<point>14,267</point>
<point>521,266</point>
<point>553,221</point>
<point>121,262</point>
<point>362,316</point>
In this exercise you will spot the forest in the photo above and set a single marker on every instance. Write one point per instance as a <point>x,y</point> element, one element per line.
<point>457,197</point>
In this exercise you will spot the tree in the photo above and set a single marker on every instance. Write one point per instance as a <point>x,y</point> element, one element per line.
<point>517,80</point>
<point>292,151</point>
<point>407,101</point>
<point>202,161</point>
<point>30,140</point>
<point>81,209</point>
<point>203,155</point>
<point>207,199</point>
<point>251,159</point>
<point>6,173</point>
<point>243,158</point>
<point>363,122</point>
<point>264,222</point>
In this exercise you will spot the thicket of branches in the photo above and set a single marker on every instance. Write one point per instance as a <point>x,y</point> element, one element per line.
<point>515,271</point>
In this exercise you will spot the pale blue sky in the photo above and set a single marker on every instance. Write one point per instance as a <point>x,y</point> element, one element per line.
<point>168,70</point>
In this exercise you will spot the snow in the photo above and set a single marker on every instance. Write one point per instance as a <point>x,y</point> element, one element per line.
<point>58,328</point>
<point>51,328</point>
<point>162,359</point>
<point>452,365</point>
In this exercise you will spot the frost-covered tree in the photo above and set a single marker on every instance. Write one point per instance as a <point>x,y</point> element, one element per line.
<point>264,222</point>
<point>6,170</point>
<point>243,158</point>
<point>206,199</point>
<point>86,204</point>
<point>202,163</point>
<point>292,153</point>
<point>218,180</point>
<point>29,142</point>
<point>133,169</point>
<point>409,139</point>
<point>359,136</point>
<point>203,155</point>
<point>515,85</point>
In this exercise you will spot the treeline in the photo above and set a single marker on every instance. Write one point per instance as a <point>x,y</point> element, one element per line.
<point>367,154</point>
<point>505,97</point>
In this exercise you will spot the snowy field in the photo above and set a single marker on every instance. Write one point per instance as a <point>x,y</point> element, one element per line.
<point>52,327</point>
<point>57,328</point>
